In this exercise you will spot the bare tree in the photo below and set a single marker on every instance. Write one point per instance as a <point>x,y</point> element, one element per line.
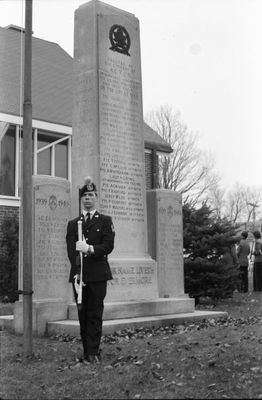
<point>243,202</point>
<point>253,201</point>
<point>235,205</point>
<point>216,200</point>
<point>187,170</point>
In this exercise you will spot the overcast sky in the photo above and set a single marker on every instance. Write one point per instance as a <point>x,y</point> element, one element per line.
<point>202,57</point>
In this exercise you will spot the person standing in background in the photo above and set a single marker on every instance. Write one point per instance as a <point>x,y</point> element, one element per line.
<point>243,252</point>
<point>257,252</point>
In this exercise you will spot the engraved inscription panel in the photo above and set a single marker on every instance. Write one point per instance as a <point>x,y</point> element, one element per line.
<point>51,266</point>
<point>122,192</point>
<point>170,244</point>
<point>133,280</point>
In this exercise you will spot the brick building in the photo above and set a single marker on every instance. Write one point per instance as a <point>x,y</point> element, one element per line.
<point>52,97</point>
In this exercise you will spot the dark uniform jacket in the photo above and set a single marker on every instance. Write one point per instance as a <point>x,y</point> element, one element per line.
<point>99,232</point>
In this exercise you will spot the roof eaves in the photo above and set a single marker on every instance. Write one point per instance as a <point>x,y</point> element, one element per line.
<point>158,147</point>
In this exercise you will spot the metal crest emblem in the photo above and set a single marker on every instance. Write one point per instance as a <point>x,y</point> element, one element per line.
<point>90,187</point>
<point>119,39</point>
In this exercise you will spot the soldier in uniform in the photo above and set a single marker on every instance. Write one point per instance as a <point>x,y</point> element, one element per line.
<point>98,242</point>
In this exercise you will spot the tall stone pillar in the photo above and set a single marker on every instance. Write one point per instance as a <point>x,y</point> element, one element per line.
<point>108,141</point>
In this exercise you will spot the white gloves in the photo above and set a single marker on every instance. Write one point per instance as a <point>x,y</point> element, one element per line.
<point>81,245</point>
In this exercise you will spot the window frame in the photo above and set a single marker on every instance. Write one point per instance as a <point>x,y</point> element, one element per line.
<point>52,147</point>
<point>45,127</point>
<point>3,133</point>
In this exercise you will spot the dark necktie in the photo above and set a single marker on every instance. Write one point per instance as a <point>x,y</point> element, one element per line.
<point>87,219</point>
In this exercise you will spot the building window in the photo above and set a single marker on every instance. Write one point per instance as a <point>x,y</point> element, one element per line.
<point>44,157</point>
<point>51,156</point>
<point>7,159</point>
<point>61,159</point>
<point>148,167</point>
<point>152,169</point>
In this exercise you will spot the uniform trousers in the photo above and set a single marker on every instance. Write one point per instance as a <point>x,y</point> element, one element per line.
<point>90,314</point>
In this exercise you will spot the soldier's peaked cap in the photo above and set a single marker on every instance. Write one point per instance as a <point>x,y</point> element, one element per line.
<point>89,186</point>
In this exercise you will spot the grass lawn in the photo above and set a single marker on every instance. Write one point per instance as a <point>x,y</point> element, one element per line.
<point>211,359</point>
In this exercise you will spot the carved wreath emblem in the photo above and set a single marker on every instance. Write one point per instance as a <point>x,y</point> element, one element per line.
<point>120,39</point>
<point>52,202</point>
<point>170,211</point>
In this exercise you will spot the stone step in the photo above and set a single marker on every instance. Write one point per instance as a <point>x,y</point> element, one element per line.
<point>71,327</point>
<point>132,309</point>
<point>6,321</point>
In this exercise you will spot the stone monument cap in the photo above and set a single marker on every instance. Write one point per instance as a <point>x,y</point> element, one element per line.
<point>103,4</point>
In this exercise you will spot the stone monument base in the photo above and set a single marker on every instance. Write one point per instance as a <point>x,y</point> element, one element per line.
<point>146,308</point>
<point>46,312</point>
<point>42,312</point>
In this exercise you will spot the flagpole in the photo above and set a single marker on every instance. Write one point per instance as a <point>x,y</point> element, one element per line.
<point>27,183</point>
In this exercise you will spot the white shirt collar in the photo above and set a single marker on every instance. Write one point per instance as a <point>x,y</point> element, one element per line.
<point>91,213</point>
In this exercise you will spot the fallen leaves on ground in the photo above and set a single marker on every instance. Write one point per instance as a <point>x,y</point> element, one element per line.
<point>206,359</point>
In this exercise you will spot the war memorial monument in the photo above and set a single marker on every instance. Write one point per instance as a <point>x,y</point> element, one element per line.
<point>108,144</point>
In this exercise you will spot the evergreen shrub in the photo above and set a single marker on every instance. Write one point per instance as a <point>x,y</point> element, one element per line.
<point>210,262</point>
<point>204,278</point>
<point>9,259</point>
